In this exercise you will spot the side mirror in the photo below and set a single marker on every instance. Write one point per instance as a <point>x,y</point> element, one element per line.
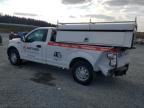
<point>23,38</point>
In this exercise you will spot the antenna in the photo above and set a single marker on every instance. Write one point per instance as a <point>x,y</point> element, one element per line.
<point>90,20</point>
<point>136,22</point>
<point>89,23</point>
<point>57,23</point>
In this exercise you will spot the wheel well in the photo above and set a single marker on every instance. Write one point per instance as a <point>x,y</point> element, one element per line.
<point>10,48</point>
<point>79,59</point>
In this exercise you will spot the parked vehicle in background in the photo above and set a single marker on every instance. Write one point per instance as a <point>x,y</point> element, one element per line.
<point>21,34</point>
<point>83,48</point>
<point>13,35</point>
<point>17,35</point>
<point>139,41</point>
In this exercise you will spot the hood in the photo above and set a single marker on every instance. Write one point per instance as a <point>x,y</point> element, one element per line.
<point>14,40</point>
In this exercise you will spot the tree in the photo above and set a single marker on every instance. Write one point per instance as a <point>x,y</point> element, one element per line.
<point>26,21</point>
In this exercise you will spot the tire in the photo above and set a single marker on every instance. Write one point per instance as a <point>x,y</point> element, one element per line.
<point>82,72</point>
<point>14,57</point>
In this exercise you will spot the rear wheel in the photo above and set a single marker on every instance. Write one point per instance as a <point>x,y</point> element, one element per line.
<point>14,57</point>
<point>82,72</point>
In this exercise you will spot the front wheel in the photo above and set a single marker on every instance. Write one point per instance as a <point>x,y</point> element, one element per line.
<point>14,57</point>
<point>82,72</point>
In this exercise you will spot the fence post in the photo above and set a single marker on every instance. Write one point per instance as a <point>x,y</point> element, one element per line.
<point>0,40</point>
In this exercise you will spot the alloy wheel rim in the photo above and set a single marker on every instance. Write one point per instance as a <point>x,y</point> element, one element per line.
<point>82,73</point>
<point>13,58</point>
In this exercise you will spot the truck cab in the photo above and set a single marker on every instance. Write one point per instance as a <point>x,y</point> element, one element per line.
<point>50,45</point>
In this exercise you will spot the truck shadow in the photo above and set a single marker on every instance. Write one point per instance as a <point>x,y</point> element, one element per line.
<point>43,74</point>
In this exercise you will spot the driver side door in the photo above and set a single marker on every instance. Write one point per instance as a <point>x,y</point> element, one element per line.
<point>34,46</point>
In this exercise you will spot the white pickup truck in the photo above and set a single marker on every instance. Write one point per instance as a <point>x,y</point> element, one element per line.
<point>83,48</point>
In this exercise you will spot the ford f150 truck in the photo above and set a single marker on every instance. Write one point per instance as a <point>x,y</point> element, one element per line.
<point>83,48</point>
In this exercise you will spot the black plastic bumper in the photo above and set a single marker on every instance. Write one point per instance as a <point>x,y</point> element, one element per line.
<point>120,70</point>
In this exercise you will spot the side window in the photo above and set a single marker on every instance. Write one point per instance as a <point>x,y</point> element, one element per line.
<point>38,35</point>
<point>53,35</point>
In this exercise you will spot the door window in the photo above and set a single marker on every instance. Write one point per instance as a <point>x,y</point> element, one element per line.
<point>38,35</point>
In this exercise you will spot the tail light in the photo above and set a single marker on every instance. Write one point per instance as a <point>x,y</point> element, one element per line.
<point>112,59</point>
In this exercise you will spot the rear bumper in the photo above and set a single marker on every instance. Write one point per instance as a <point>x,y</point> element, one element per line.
<point>119,71</point>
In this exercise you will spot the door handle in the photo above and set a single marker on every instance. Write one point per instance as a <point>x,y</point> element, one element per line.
<point>38,46</point>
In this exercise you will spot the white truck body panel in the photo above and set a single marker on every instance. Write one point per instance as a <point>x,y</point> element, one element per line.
<point>119,39</point>
<point>117,34</point>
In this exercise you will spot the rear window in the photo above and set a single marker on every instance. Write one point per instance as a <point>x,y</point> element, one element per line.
<point>53,35</point>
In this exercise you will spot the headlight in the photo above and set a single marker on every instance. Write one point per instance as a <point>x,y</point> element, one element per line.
<point>113,59</point>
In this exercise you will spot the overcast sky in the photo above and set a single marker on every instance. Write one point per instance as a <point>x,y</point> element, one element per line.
<point>76,10</point>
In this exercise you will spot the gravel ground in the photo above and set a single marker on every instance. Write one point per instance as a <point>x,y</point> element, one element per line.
<point>34,85</point>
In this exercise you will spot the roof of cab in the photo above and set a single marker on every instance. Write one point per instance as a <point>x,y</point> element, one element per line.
<point>45,28</point>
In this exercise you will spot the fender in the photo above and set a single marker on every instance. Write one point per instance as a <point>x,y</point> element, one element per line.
<point>83,55</point>
<point>14,43</point>
<point>11,47</point>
